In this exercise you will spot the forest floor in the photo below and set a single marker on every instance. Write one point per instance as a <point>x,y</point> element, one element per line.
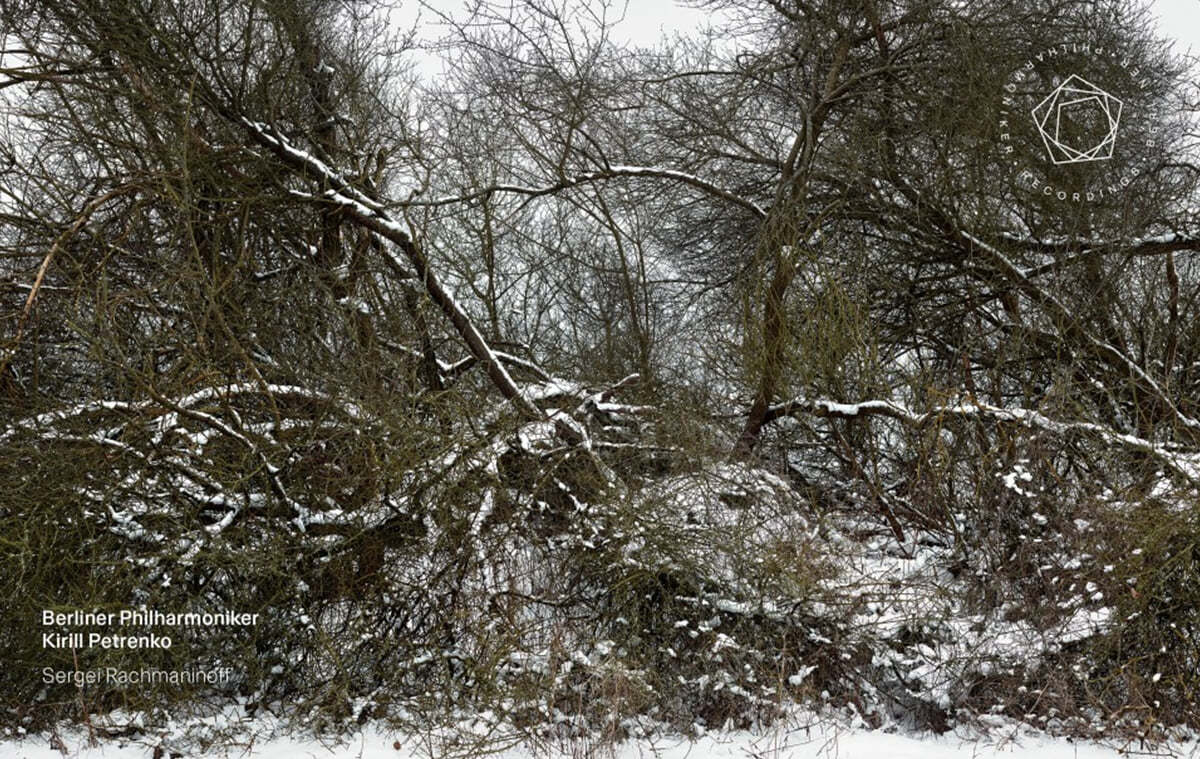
<point>800,739</point>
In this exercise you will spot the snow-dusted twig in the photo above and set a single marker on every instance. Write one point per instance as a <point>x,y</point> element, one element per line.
<point>612,172</point>
<point>1186,464</point>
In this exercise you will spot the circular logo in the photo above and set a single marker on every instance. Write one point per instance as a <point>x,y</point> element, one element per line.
<point>1063,116</point>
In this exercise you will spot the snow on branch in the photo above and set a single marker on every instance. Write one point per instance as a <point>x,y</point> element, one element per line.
<point>43,421</point>
<point>612,172</point>
<point>254,448</point>
<point>1071,328</point>
<point>453,371</point>
<point>1186,464</point>
<point>1083,249</point>
<point>185,478</point>
<point>370,214</point>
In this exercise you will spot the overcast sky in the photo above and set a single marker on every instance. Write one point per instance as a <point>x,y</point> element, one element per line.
<point>1180,19</point>
<point>646,20</point>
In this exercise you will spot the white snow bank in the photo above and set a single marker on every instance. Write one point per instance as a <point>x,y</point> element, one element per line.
<point>821,741</point>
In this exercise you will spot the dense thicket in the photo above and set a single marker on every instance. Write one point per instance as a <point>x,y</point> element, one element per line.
<point>586,384</point>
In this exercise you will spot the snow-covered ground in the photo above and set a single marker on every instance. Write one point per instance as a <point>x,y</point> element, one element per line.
<point>818,741</point>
